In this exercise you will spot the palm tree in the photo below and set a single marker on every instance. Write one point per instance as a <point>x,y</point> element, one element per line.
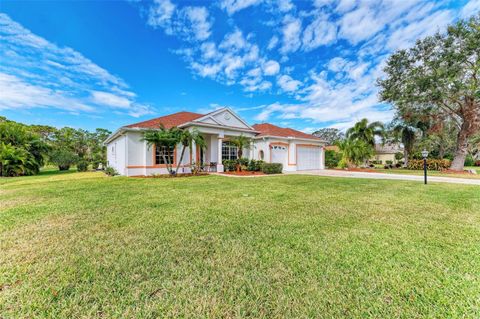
<point>355,152</point>
<point>406,134</point>
<point>366,132</point>
<point>241,142</point>
<point>187,138</point>
<point>168,138</point>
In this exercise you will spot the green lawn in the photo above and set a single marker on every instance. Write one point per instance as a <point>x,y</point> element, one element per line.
<point>430,173</point>
<point>82,245</point>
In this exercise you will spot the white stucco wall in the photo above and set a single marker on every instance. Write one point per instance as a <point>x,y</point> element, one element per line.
<point>116,154</point>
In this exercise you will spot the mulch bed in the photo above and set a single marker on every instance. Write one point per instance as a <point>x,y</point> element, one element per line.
<point>170,176</point>
<point>244,173</point>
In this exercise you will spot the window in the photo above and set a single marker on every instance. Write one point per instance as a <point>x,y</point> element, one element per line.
<point>262,155</point>
<point>229,151</point>
<point>162,150</point>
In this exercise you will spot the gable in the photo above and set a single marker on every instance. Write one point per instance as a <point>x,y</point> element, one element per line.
<point>224,117</point>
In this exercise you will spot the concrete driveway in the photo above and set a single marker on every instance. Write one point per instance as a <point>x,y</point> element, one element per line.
<point>349,174</point>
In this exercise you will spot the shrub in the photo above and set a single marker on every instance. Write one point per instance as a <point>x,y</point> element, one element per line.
<point>110,171</point>
<point>82,166</point>
<point>469,161</point>
<point>432,164</point>
<point>254,165</point>
<point>388,166</point>
<point>229,165</point>
<point>332,158</point>
<point>243,161</point>
<point>272,168</point>
<point>376,162</point>
<point>398,165</point>
<point>63,158</point>
<point>398,156</point>
<point>388,162</point>
<point>343,163</point>
<point>477,163</point>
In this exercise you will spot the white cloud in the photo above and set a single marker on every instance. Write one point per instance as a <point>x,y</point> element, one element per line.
<point>285,5</point>
<point>199,24</point>
<point>288,84</point>
<point>37,73</point>
<point>359,25</point>
<point>232,6</point>
<point>406,36</point>
<point>271,67</point>
<point>291,30</point>
<point>471,8</point>
<point>320,32</point>
<point>18,94</point>
<point>272,43</point>
<point>161,13</point>
<point>189,23</point>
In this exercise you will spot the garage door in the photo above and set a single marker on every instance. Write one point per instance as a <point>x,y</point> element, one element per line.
<point>308,157</point>
<point>279,154</point>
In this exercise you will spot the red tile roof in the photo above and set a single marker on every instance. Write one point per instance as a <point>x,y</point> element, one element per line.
<point>267,129</point>
<point>168,121</point>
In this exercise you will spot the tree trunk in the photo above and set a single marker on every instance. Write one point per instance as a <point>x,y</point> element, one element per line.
<point>405,157</point>
<point>470,125</point>
<point>239,157</point>
<point>460,151</point>
<point>181,158</point>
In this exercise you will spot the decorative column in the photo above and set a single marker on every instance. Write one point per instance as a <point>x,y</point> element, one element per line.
<point>219,154</point>
<point>322,157</point>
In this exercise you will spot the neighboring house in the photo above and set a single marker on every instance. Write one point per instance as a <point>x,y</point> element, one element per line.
<point>130,156</point>
<point>386,152</point>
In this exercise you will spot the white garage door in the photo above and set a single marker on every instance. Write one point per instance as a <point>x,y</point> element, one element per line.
<point>279,154</point>
<point>308,158</point>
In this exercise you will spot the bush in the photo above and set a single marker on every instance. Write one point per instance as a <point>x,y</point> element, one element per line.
<point>398,156</point>
<point>376,162</point>
<point>477,163</point>
<point>63,159</point>
<point>272,168</point>
<point>82,166</point>
<point>388,166</point>
<point>432,164</point>
<point>110,171</point>
<point>254,165</point>
<point>388,162</point>
<point>332,158</point>
<point>229,165</point>
<point>243,161</point>
<point>398,165</point>
<point>469,161</point>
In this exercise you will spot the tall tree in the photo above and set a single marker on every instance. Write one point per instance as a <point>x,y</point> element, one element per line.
<point>366,132</point>
<point>330,135</point>
<point>440,76</point>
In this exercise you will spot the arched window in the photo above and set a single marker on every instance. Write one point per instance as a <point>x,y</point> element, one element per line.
<point>261,155</point>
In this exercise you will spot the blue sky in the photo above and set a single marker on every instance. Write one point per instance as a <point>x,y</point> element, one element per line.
<point>303,64</point>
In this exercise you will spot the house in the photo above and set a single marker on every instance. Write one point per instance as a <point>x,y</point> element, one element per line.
<point>386,152</point>
<point>130,156</point>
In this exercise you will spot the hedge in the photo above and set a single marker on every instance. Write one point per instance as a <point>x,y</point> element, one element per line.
<point>432,164</point>
<point>272,168</point>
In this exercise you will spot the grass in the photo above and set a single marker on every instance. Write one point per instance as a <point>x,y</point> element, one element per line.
<point>82,245</point>
<point>430,173</point>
